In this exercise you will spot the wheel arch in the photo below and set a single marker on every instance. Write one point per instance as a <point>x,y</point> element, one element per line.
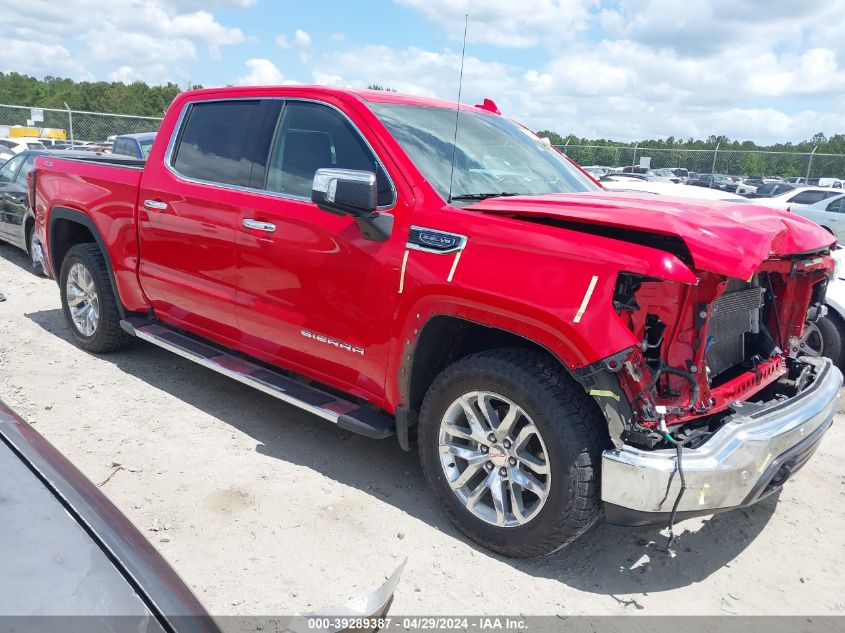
<point>28,228</point>
<point>68,227</point>
<point>442,340</point>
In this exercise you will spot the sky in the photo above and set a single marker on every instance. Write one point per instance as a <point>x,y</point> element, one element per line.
<point>767,71</point>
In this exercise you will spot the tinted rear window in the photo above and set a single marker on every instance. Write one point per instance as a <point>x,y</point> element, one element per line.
<point>213,143</point>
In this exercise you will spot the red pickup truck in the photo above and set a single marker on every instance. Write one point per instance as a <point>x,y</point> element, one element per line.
<point>405,266</point>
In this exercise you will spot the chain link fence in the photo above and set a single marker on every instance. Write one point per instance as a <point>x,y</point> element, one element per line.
<point>730,162</point>
<point>97,127</point>
<point>78,126</point>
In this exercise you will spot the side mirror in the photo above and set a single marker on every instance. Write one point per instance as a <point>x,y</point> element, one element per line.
<point>355,193</point>
<point>345,192</point>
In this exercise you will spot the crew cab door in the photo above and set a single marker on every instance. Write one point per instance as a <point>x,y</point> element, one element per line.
<point>12,199</point>
<point>313,294</point>
<point>189,214</point>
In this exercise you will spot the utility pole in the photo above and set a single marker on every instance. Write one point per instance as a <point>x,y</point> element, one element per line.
<point>70,122</point>
<point>810,163</point>
<point>713,168</point>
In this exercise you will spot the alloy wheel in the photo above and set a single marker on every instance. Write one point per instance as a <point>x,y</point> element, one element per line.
<point>494,459</point>
<point>82,300</point>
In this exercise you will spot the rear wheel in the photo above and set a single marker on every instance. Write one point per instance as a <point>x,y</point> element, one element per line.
<point>34,252</point>
<point>512,447</point>
<point>88,302</point>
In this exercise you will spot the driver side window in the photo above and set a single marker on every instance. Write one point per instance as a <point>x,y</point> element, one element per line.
<point>311,136</point>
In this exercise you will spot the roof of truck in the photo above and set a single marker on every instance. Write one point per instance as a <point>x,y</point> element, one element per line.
<point>373,96</point>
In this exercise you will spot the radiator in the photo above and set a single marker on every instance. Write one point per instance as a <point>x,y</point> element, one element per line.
<point>733,315</point>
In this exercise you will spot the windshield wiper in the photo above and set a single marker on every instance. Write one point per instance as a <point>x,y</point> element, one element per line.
<point>483,196</point>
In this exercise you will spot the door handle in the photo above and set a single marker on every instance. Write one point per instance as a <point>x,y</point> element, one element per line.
<point>267,227</point>
<point>155,205</point>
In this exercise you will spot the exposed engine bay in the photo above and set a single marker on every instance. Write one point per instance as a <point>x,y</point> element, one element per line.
<point>705,346</point>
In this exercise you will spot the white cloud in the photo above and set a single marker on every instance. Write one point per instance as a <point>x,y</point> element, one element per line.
<point>300,39</point>
<point>508,23</point>
<point>146,36</point>
<point>620,89</point>
<point>263,72</point>
<point>413,70</point>
<point>37,58</point>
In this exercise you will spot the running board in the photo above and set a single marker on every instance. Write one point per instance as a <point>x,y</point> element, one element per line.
<point>347,415</point>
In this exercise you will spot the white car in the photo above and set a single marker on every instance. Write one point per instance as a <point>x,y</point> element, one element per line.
<point>12,146</point>
<point>828,213</point>
<point>796,180</point>
<point>799,195</point>
<point>826,336</point>
<point>597,171</point>
<point>833,183</point>
<point>749,185</point>
<point>623,182</point>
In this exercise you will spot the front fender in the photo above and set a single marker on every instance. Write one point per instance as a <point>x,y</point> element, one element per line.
<point>558,294</point>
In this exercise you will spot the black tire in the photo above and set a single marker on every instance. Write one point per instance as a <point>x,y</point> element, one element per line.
<point>37,267</point>
<point>573,430</point>
<point>831,332</point>
<point>108,336</point>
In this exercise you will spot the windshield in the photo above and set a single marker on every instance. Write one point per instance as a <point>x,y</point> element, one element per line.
<point>493,156</point>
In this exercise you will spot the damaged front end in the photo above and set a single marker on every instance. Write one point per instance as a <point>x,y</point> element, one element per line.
<point>709,355</point>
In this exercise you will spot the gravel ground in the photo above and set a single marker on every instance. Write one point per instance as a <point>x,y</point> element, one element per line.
<point>264,509</point>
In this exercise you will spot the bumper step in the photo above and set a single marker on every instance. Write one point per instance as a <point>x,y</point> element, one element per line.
<point>346,414</point>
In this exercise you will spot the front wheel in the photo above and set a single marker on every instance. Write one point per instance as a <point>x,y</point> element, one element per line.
<point>511,446</point>
<point>825,338</point>
<point>88,301</point>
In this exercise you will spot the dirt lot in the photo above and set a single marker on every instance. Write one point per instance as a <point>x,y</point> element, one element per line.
<point>264,509</point>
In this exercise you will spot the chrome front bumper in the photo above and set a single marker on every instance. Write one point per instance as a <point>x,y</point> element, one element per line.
<point>750,457</point>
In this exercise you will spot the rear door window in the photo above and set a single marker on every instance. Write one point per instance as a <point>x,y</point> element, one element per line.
<point>217,142</point>
<point>811,197</point>
<point>836,206</point>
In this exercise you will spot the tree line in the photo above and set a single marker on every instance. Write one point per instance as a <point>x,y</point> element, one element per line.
<point>136,98</point>
<point>734,157</point>
<point>139,98</point>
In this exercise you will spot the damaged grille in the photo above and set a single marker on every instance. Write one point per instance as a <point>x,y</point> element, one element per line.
<point>733,316</point>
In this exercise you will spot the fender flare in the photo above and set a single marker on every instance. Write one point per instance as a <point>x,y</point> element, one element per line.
<point>63,213</point>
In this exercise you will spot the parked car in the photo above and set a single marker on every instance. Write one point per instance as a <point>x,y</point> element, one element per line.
<point>134,145</point>
<point>68,551</point>
<point>832,183</point>
<point>623,177</point>
<point>525,328</point>
<point>796,196</point>
<point>11,146</point>
<point>72,558</point>
<point>796,180</point>
<point>714,181</point>
<point>665,175</point>
<point>624,182</point>
<point>750,185</point>
<point>17,221</point>
<point>597,171</point>
<point>824,332</point>
<point>681,173</point>
<point>770,189</point>
<point>828,213</point>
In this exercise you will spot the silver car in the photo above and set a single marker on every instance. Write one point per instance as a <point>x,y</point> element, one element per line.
<point>828,213</point>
